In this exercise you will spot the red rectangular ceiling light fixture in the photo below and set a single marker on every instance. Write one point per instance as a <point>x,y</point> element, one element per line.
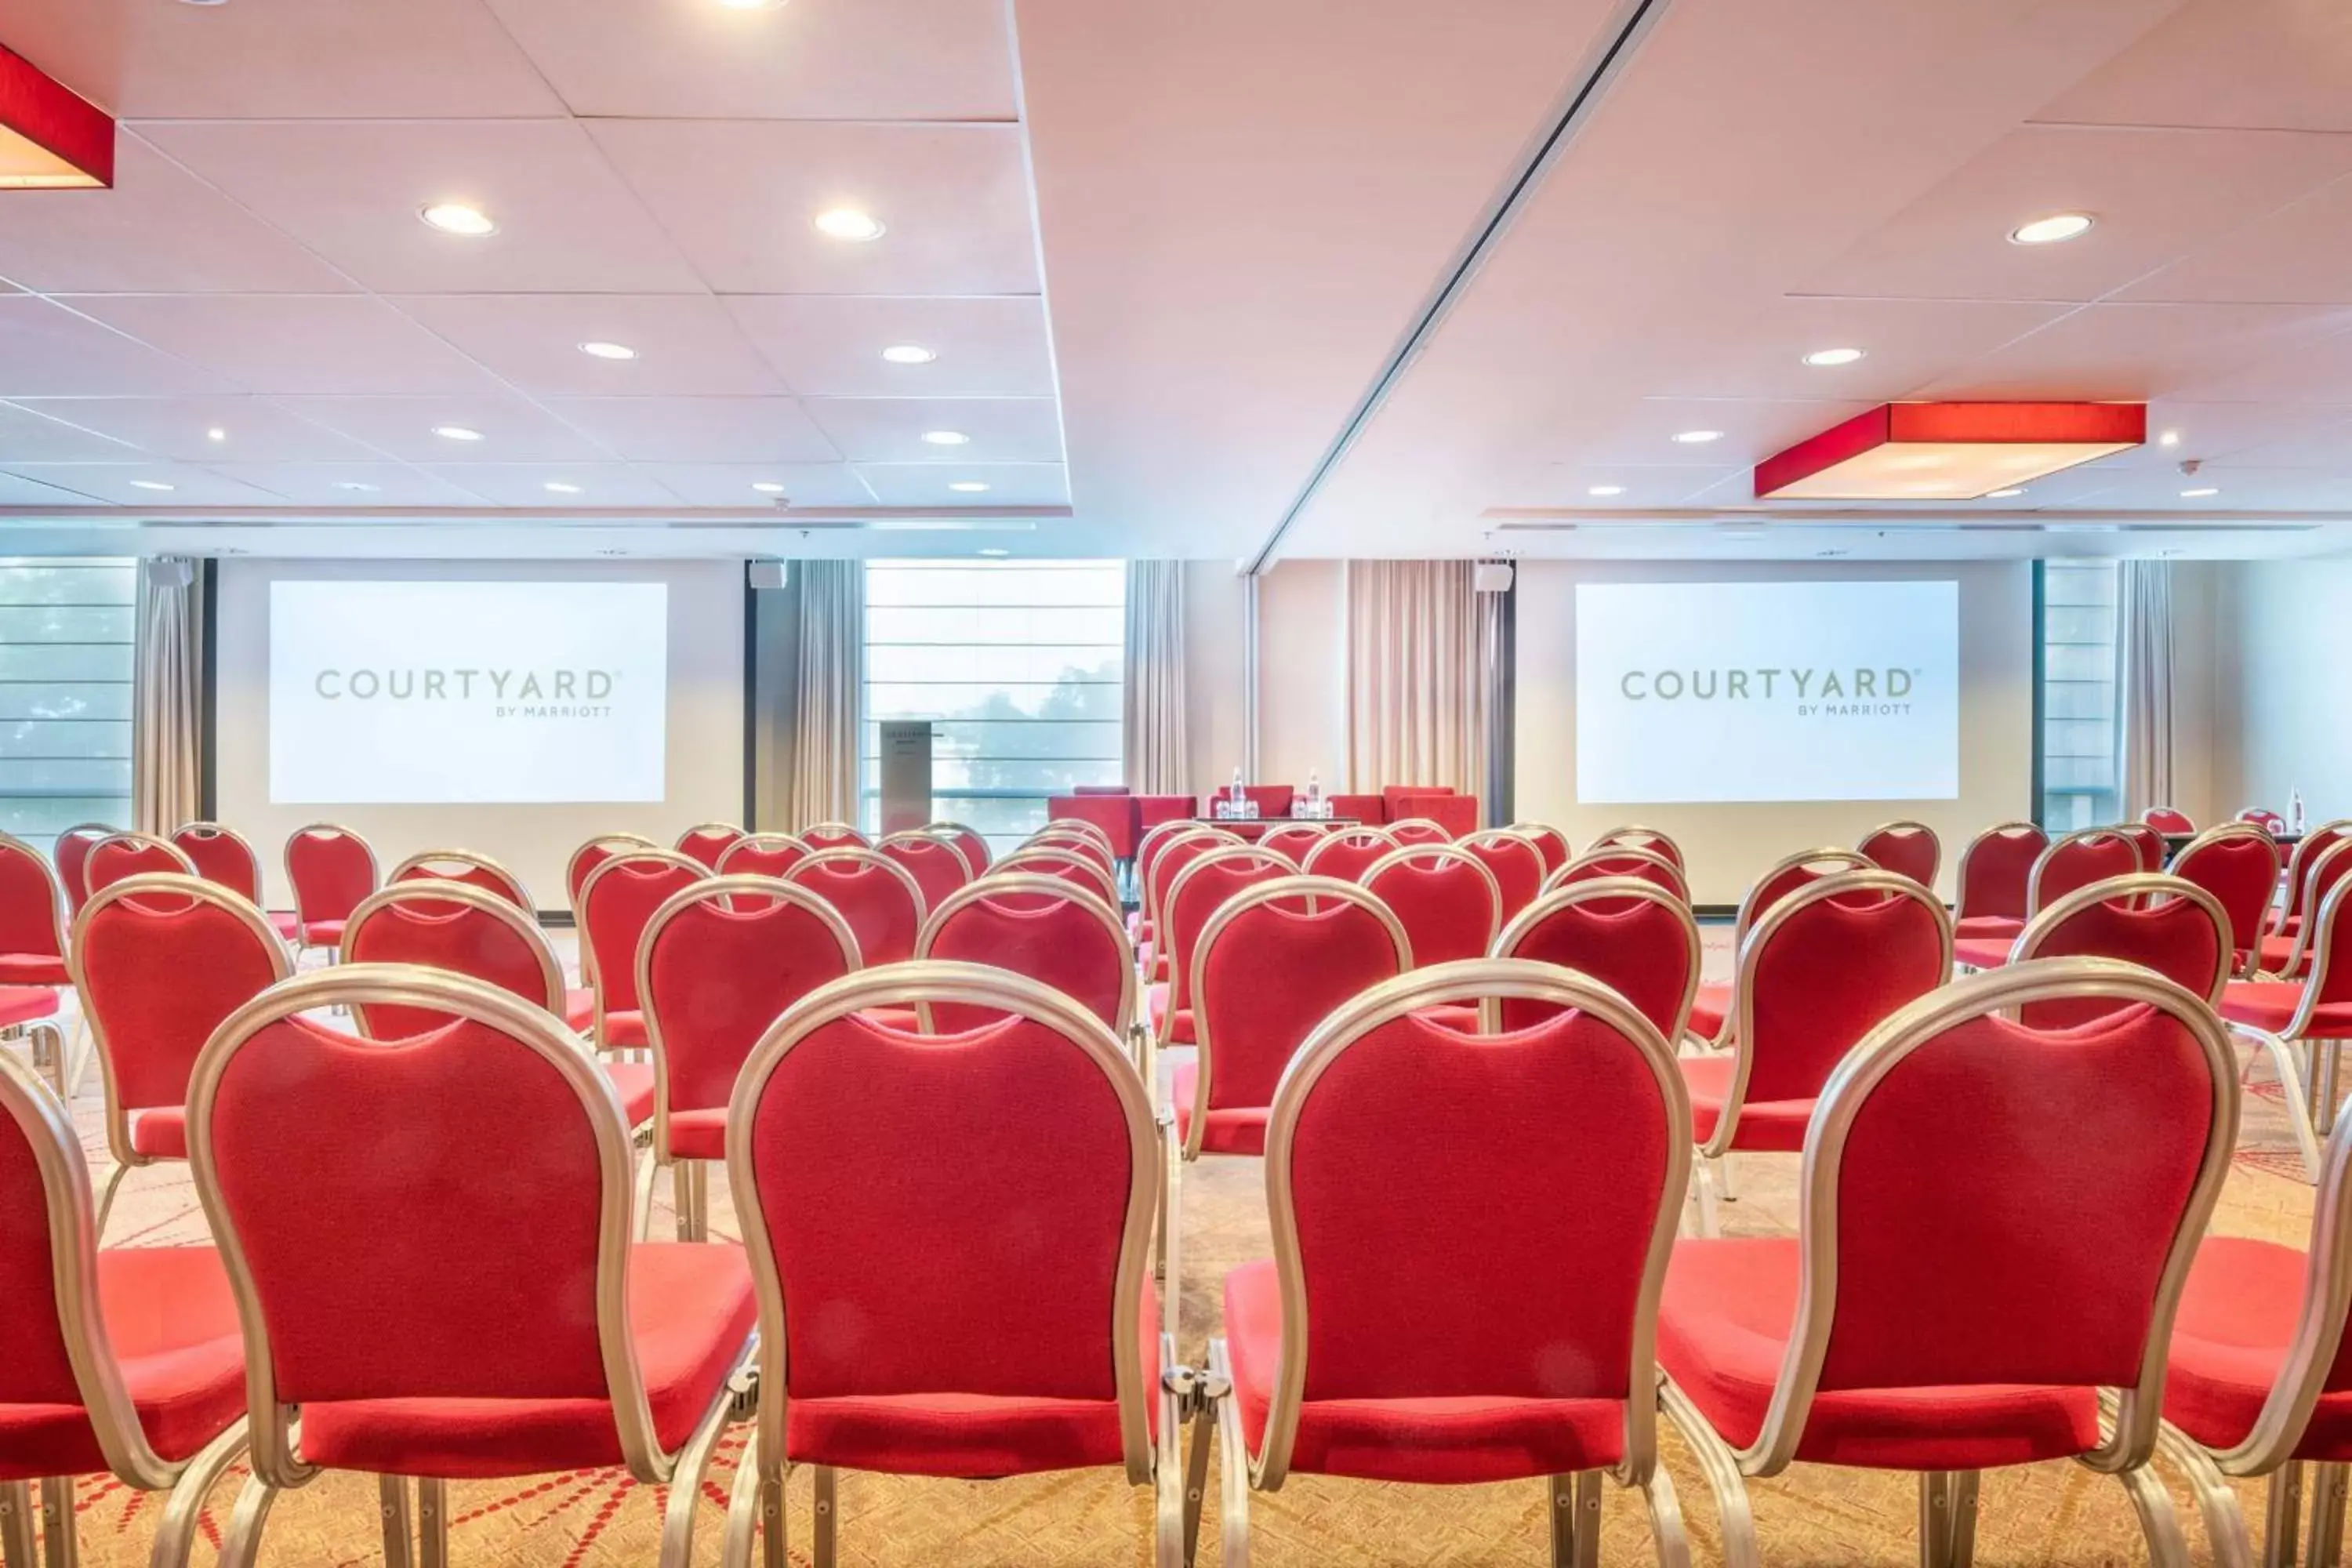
<point>1948,451</point>
<point>50,140</point>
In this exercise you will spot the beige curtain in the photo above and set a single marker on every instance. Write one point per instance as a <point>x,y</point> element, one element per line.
<point>166,694</point>
<point>1421,682</point>
<point>2143,686</point>
<point>1157,762</point>
<point>824,782</point>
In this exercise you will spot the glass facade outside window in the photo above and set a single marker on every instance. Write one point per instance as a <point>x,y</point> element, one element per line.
<point>66,651</point>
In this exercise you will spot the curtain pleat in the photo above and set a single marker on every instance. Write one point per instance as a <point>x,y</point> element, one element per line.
<point>1157,761</point>
<point>824,782</point>
<point>2144,685</point>
<point>166,694</point>
<point>1423,649</point>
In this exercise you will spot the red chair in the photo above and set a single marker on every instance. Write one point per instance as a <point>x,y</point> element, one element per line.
<point>1369,810</point>
<point>1493,1319</point>
<point>71,849</point>
<point>222,855</point>
<point>1060,827</point>
<point>33,960</point>
<point>592,854</point>
<point>1648,838</point>
<point>1154,810</point>
<point>159,960</point>
<point>1995,869</point>
<point>2165,819</point>
<point>1272,800</point>
<point>832,835</point>
<point>719,963</point>
<point>2287,956</point>
<point>1069,865</point>
<point>1450,904</point>
<point>2147,842</point>
<point>1348,853</point>
<point>998,1279</point>
<point>2076,860</point>
<point>762,855</point>
<point>1516,861</point>
<point>973,844</point>
<point>331,869</point>
<point>1618,860</point>
<point>1711,1009</point>
<point>1419,830</point>
<point>1168,858</point>
<point>1115,816</point>
<point>1074,840</point>
<point>133,855</point>
<point>879,898</point>
<point>1147,851</point>
<point>2299,861</point>
<point>1199,885</point>
<point>123,1362</point>
<point>1632,936</point>
<point>1820,968</point>
<point>1550,841</point>
<point>1909,848</point>
<point>2270,821</point>
<point>710,842</point>
<point>2300,1022</point>
<point>1456,814</point>
<point>1292,840</point>
<point>1049,929</point>
<point>2160,922</point>
<point>467,866</point>
<point>2238,863</point>
<point>1964,1285</point>
<point>410,1348</point>
<point>616,902</point>
<point>937,866</point>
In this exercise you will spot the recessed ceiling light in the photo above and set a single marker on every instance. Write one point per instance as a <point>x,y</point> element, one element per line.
<point>1828,357</point>
<point>355,484</point>
<point>909,354</point>
<point>456,433</point>
<point>2169,438</point>
<point>2052,229</point>
<point>2003,495</point>
<point>563,488</point>
<point>969,487</point>
<point>216,434</point>
<point>457,217</point>
<point>848,222</point>
<point>768,486</point>
<point>749,5</point>
<point>599,350</point>
<point>149,485</point>
<point>1606,490</point>
<point>946,437</point>
<point>994,552</point>
<point>1697,437</point>
<point>2201,492</point>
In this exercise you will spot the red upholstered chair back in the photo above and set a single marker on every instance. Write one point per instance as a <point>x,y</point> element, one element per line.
<point>719,963</point>
<point>1348,853</point>
<point>1157,810</point>
<point>1616,860</point>
<point>1069,865</point>
<point>2160,922</point>
<point>2147,842</point>
<point>465,866</point>
<point>1909,848</point>
<point>1823,967</point>
<point>1119,789</point>
<point>616,902</point>
<point>2107,1153</point>
<point>458,928</point>
<point>1394,795</point>
<point>832,835</point>
<point>1516,861</point>
<point>2238,864</point>
<point>879,898</point>
<point>45,1221</point>
<point>974,845</point>
<point>1457,813</point>
<point>71,850</point>
<point>133,855</point>
<point>1169,857</point>
<point>1994,870</point>
<point>221,855</point>
<point>331,869</point>
<point>2322,875</point>
<point>1204,882</point>
<point>897,1191</point>
<point>1419,830</point>
<point>1272,963</point>
<point>937,866</point>
<point>2268,820</point>
<point>592,854</point>
<point>710,842</point>
<point>32,917</point>
<point>1648,838</point>
<point>1292,840</point>
<point>1802,870</point>
<point>1632,936</point>
<point>1273,800</point>
<point>1550,841</point>
<point>2165,819</point>
<point>1450,903</point>
<point>1070,840</point>
<point>762,855</point>
<point>2077,861</point>
<point>369,1274</point>
<point>1510,1266</point>
<point>1363,808</point>
<point>2306,853</point>
<point>159,960</point>
<point>2327,946</point>
<point>1049,929</point>
<point>1115,816</point>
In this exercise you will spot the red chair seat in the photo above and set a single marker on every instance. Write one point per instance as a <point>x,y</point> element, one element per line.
<point>324,933</point>
<point>690,1311</point>
<point>2001,926</point>
<point>2276,952</point>
<point>1445,1440</point>
<point>173,1320</point>
<point>698,1134</point>
<point>1982,952</point>
<point>286,924</point>
<point>1710,1008</point>
<point>32,969</point>
<point>624,1030</point>
<point>1235,1130</point>
<point>1155,1002</point>
<point>2237,1317</point>
<point>1771,1126</point>
<point>1723,1329</point>
<point>161,1133</point>
<point>579,1009</point>
<point>632,1082</point>
<point>23,1004</point>
<point>2270,1004</point>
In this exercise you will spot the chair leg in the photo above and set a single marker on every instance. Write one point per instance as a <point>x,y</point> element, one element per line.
<point>2217,1505</point>
<point>1724,1174</point>
<point>2282,1515</point>
<point>2324,1546</point>
<point>175,1534</point>
<point>2325,1071</point>
<point>646,1168</point>
<point>1709,1223</point>
<point>1666,1519</point>
<point>681,1196</point>
<point>399,1531</point>
<point>16,1524</point>
<point>1576,1520</point>
<point>106,1199</point>
<point>1721,1468</point>
<point>1948,1519</point>
<point>2154,1505</point>
<point>1171,1236</point>
<point>685,1488</point>
<point>743,1507</point>
<point>824,1546</point>
<point>432,1523</point>
<point>2298,1097</point>
<point>1234,1480</point>
<point>242,1544</point>
<point>58,1539</point>
<point>1174,1524</point>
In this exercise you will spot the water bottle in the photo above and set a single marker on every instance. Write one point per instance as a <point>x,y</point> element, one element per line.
<point>1313,794</point>
<point>2295,810</point>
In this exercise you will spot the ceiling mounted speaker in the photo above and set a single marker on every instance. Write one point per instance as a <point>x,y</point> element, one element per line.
<point>767,574</point>
<point>1491,577</point>
<point>50,140</point>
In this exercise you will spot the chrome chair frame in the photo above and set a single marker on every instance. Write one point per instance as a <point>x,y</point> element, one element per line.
<point>425,860</point>
<point>1565,873</point>
<point>47,1046</point>
<point>1597,888</point>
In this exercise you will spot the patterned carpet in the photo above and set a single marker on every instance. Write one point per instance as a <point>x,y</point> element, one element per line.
<point>2043,1514</point>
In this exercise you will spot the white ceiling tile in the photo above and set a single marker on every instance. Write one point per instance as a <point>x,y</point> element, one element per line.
<point>701,429</point>
<point>929,484</point>
<point>2295,255</point>
<point>159,230</point>
<point>830,345</point>
<point>1751,430</point>
<point>686,345</point>
<point>2278,63</point>
<point>48,351</point>
<point>2236,490</point>
<point>2156,193</point>
<point>513,429</point>
<point>525,484</point>
<point>353,190</point>
<point>343,344</point>
<point>253,429</point>
<point>891,429</point>
<point>281,58</point>
<point>2262,435</point>
<point>28,435</point>
<point>340,485</point>
<point>813,59</point>
<point>1638,486</point>
<point>740,198</point>
<point>730,484</point>
<point>2113,352</point>
<point>128,484</point>
<point>1905,342</point>
<point>18,491</point>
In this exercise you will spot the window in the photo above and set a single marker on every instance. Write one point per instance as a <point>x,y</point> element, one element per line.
<point>2079,787</point>
<point>66,631</point>
<point>1017,665</point>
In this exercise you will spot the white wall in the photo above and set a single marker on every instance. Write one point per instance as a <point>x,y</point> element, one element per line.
<point>1728,844</point>
<point>2277,653</point>
<point>703,733</point>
